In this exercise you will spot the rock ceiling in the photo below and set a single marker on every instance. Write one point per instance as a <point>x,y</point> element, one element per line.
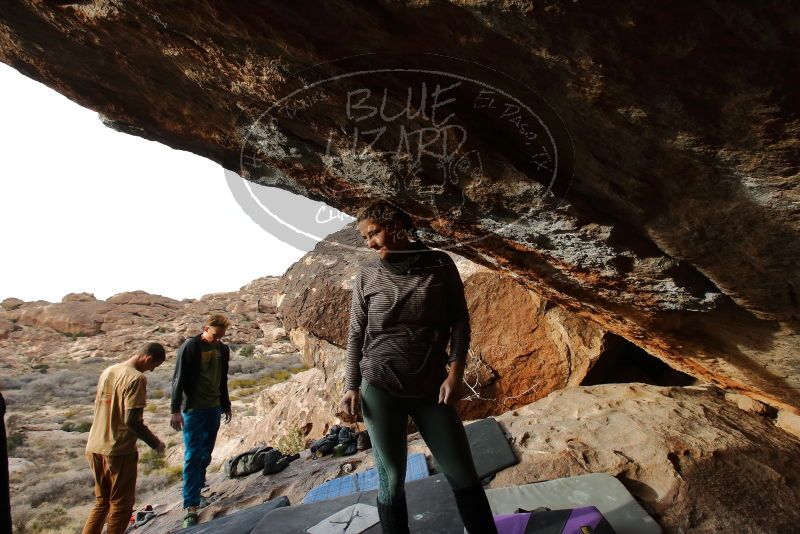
<point>635,164</point>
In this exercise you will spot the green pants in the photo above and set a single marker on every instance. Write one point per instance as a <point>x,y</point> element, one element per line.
<point>386,417</point>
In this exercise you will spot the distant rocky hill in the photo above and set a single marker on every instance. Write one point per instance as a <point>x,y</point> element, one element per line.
<point>80,326</point>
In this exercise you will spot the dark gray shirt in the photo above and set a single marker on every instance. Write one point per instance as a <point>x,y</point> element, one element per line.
<point>401,319</point>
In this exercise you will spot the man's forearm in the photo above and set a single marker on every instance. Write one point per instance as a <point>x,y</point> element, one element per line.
<point>135,421</point>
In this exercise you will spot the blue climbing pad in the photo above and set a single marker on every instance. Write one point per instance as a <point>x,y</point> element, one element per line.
<point>431,510</point>
<point>416,469</point>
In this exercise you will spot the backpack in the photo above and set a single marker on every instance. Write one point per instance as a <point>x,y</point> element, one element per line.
<point>275,462</point>
<point>347,442</point>
<point>247,463</point>
<point>325,444</point>
<point>340,440</point>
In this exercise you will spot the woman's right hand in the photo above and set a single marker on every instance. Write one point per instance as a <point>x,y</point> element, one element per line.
<point>349,403</point>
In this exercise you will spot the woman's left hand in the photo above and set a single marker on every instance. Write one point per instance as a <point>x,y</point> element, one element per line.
<point>448,392</point>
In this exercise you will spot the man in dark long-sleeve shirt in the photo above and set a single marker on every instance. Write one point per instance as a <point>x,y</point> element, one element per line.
<point>199,398</point>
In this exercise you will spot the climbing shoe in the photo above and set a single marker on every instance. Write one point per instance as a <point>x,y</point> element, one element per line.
<point>190,520</point>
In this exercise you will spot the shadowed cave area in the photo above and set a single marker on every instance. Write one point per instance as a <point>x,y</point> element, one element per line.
<point>622,362</point>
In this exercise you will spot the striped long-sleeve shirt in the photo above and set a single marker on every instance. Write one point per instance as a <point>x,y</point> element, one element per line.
<point>401,320</point>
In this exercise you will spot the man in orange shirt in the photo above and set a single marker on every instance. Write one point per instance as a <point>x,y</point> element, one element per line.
<point>111,449</point>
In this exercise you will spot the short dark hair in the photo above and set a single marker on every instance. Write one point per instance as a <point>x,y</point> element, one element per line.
<point>155,350</point>
<point>386,214</point>
<point>217,320</point>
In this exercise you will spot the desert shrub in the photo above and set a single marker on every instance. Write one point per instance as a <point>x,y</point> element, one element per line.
<point>15,439</point>
<point>247,351</point>
<point>15,436</point>
<point>245,367</point>
<point>8,382</point>
<point>152,461</point>
<point>63,387</point>
<point>79,427</point>
<point>245,386</point>
<point>62,488</point>
<point>158,479</point>
<point>51,518</point>
<point>159,384</point>
<point>20,517</point>
<point>150,483</point>
<point>174,473</point>
<point>41,367</point>
<point>292,443</point>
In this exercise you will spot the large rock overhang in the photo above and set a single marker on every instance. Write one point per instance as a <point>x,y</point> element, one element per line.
<point>658,197</point>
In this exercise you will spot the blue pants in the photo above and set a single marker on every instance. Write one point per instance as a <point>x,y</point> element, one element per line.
<point>200,429</point>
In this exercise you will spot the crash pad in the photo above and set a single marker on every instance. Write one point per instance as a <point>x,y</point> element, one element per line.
<point>354,519</point>
<point>490,448</point>
<point>416,469</point>
<point>600,490</point>
<point>240,522</point>
<point>431,509</point>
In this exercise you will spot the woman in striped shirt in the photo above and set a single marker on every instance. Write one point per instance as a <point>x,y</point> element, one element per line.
<point>408,303</point>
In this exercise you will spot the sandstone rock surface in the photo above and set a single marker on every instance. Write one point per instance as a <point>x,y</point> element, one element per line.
<point>696,461</point>
<point>301,405</point>
<point>789,422</point>
<point>6,327</point>
<point>11,303</point>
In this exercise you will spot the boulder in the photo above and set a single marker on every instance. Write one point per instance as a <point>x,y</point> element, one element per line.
<point>11,303</point>
<point>17,466</point>
<point>696,461</point>
<point>6,327</point>
<point>743,402</point>
<point>73,318</point>
<point>142,298</point>
<point>78,297</point>
<point>528,346</point>
<point>789,422</point>
<point>300,404</point>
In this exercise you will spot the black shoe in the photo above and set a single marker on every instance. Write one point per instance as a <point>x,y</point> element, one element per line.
<point>394,516</point>
<point>362,441</point>
<point>475,511</point>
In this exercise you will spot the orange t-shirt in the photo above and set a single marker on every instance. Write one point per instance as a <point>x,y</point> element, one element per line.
<point>120,388</point>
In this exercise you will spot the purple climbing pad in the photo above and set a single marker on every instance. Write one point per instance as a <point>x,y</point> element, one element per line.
<point>585,520</point>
